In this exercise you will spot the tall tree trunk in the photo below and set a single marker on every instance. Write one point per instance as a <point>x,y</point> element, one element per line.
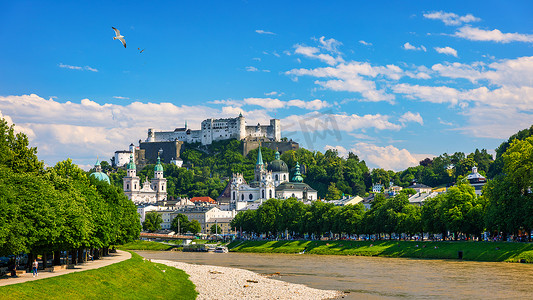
<point>74,254</point>
<point>80,255</point>
<point>57,258</point>
<point>31,257</point>
<point>45,260</point>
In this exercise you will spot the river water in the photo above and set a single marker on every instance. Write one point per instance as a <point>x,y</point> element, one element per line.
<point>377,277</point>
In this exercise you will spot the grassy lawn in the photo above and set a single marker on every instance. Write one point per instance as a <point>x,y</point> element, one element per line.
<point>475,251</point>
<point>145,245</point>
<point>134,278</point>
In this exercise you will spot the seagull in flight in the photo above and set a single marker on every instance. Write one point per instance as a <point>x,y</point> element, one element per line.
<point>119,37</point>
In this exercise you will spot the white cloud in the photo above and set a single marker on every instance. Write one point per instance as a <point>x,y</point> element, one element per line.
<point>365,43</point>
<point>446,50</point>
<point>476,34</point>
<point>317,121</point>
<point>251,69</point>
<point>411,117</point>
<point>273,93</point>
<point>314,52</point>
<point>260,31</point>
<point>85,129</point>
<point>441,121</point>
<point>408,46</point>
<point>343,152</point>
<point>451,18</point>
<point>388,157</point>
<point>434,94</point>
<point>87,68</point>
<point>508,72</point>
<point>273,103</point>
<point>121,98</point>
<point>352,77</point>
<point>316,104</point>
<point>330,45</point>
<point>499,123</point>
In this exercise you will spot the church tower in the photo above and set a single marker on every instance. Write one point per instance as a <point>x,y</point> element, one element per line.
<point>259,166</point>
<point>159,183</point>
<point>131,182</point>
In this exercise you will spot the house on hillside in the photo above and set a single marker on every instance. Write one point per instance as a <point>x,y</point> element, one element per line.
<point>419,198</point>
<point>476,180</point>
<point>420,188</point>
<point>353,200</point>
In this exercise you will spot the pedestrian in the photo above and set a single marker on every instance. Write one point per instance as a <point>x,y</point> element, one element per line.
<point>34,266</point>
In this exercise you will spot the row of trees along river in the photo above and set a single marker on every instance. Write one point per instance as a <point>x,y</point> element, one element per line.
<point>46,211</point>
<point>505,208</point>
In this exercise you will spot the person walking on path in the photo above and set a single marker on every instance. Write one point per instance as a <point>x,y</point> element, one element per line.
<point>34,266</point>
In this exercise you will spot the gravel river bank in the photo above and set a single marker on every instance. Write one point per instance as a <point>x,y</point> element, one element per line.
<point>213,282</point>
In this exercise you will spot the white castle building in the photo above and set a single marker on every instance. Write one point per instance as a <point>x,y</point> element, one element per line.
<point>270,181</point>
<point>218,129</point>
<point>151,191</point>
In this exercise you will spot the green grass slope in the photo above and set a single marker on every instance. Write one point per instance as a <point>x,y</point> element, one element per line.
<point>145,245</point>
<point>475,251</point>
<point>134,278</point>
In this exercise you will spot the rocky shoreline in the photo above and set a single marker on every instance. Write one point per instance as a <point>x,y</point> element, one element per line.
<point>213,282</point>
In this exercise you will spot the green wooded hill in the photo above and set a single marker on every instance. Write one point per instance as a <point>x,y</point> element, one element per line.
<point>331,175</point>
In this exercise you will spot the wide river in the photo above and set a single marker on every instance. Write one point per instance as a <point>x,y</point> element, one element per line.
<point>379,278</point>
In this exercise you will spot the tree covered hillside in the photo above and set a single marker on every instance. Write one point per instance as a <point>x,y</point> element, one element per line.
<point>208,169</point>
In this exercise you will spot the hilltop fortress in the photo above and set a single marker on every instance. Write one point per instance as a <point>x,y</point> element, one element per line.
<point>167,144</point>
<point>217,130</point>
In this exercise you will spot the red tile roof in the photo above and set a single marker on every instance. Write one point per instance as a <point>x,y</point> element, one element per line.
<point>203,199</point>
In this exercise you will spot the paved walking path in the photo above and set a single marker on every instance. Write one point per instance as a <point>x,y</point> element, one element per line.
<point>104,261</point>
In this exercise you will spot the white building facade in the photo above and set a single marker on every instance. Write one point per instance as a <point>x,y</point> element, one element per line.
<point>217,130</point>
<point>262,188</point>
<point>151,191</point>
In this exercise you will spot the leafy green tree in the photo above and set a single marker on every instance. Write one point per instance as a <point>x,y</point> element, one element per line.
<point>152,221</point>
<point>333,192</point>
<point>267,216</point>
<point>180,224</point>
<point>15,152</point>
<point>291,214</point>
<point>215,229</point>
<point>195,227</point>
<point>351,217</point>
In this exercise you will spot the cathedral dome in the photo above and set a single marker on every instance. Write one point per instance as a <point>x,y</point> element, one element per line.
<point>98,174</point>
<point>278,165</point>
<point>101,176</point>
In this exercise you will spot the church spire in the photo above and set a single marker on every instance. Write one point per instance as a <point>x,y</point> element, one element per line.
<point>259,157</point>
<point>131,164</point>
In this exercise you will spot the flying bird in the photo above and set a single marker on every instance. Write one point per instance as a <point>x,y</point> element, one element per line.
<point>119,37</point>
<point>141,50</point>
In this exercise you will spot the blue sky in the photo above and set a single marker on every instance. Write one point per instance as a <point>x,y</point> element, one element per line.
<point>392,81</point>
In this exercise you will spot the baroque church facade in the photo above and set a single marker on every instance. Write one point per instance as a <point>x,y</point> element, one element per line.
<point>150,191</point>
<point>270,181</point>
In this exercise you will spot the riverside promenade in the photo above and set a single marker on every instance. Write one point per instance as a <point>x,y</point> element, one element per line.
<point>90,265</point>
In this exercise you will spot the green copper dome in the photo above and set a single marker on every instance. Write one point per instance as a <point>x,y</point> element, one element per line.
<point>101,176</point>
<point>158,166</point>
<point>297,175</point>
<point>131,164</point>
<point>98,174</point>
<point>278,165</point>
